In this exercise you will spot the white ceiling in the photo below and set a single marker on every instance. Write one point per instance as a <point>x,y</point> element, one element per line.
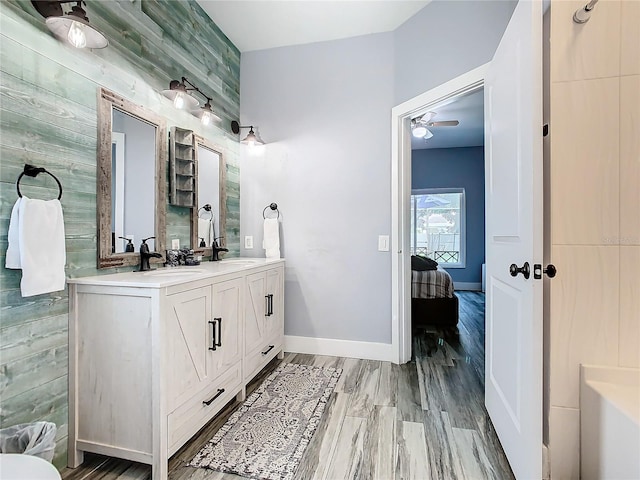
<point>261,24</point>
<point>469,111</point>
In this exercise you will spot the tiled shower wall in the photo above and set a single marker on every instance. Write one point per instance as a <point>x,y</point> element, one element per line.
<point>595,207</point>
<point>48,94</point>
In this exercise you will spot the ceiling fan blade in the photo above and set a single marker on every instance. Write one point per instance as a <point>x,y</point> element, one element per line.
<point>446,123</point>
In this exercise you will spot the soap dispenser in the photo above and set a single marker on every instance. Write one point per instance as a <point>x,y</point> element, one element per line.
<point>129,247</point>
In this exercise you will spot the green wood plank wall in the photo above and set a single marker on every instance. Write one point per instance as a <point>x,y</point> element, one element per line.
<point>48,94</point>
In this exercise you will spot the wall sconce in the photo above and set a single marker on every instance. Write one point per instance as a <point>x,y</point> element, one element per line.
<point>72,27</point>
<point>251,139</point>
<point>178,93</point>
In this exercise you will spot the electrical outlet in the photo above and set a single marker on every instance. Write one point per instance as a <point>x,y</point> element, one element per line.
<point>248,242</point>
<point>175,243</point>
<point>383,243</point>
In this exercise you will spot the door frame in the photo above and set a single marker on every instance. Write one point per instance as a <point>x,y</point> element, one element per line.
<point>400,194</point>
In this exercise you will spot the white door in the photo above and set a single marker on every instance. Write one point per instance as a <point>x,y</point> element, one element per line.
<point>513,169</point>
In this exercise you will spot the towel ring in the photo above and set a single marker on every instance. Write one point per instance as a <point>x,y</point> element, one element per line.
<point>272,206</point>
<point>207,208</point>
<point>31,171</point>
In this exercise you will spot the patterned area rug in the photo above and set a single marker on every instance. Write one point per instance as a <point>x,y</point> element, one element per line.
<point>266,437</point>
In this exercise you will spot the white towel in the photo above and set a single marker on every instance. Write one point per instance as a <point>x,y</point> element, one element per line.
<point>271,239</point>
<point>205,230</point>
<point>12,259</point>
<point>42,254</point>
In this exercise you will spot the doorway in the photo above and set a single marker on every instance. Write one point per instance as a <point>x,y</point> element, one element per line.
<point>400,191</point>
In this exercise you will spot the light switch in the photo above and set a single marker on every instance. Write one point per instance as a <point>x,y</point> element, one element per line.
<point>175,243</point>
<point>383,243</point>
<point>248,242</point>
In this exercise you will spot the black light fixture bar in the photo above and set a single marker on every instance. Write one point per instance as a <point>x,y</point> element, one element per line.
<point>184,86</point>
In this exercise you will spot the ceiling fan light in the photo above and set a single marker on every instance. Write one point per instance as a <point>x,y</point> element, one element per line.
<point>427,134</point>
<point>420,131</point>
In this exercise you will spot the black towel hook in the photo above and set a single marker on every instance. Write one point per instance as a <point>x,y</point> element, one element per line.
<point>31,171</point>
<point>272,206</point>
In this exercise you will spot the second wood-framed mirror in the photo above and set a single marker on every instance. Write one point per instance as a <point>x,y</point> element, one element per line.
<point>131,180</point>
<point>208,217</point>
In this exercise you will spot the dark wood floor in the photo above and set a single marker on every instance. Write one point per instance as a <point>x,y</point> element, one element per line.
<point>422,420</point>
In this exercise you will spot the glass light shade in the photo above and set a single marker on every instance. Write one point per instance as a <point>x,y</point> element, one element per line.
<point>76,36</point>
<point>428,135</point>
<point>181,98</point>
<point>178,101</point>
<point>252,139</point>
<point>419,131</point>
<point>206,115</point>
<point>76,31</point>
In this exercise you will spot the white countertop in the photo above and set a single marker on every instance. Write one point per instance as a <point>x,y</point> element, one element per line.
<point>167,276</point>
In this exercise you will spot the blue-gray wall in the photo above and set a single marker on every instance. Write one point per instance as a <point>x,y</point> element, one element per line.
<point>325,108</point>
<point>446,39</point>
<point>457,168</point>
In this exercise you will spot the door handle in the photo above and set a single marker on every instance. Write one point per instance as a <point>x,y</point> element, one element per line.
<point>213,334</point>
<point>514,270</point>
<point>266,307</point>
<point>550,271</point>
<point>270,304</point>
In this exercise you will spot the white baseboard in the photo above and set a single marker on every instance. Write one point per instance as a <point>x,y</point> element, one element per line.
<point>474,286</point>
<point>339,348</point>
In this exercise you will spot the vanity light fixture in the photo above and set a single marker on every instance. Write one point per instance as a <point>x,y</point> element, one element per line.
<point>179,93</point>
<point>72,27</point>
<point>251,139</point>
<point>206,115</point>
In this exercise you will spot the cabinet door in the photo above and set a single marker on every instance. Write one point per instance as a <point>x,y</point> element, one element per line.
<point>275,313</point>
<point>187,337</point>
<point>255,311</point>
<point>227,321</point>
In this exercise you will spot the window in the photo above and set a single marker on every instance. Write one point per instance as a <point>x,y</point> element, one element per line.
<point>438,225</point>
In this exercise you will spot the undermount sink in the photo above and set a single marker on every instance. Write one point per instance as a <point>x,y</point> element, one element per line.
<point>174,272</point>
<point>241,261</point>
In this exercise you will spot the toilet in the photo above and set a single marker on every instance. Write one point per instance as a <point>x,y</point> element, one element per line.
<point>14,466</point>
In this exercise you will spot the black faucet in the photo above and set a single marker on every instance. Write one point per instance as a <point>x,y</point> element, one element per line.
<point>216,249</point>
<point>145,255</point>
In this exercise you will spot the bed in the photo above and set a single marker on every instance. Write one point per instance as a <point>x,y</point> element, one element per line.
<point>433,301</point>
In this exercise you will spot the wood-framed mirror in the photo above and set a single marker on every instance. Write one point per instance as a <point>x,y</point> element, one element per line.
<point>209,216</point>
<point>131,180</point>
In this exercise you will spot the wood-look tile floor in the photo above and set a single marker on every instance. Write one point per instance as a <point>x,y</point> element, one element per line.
<point>423,420</point>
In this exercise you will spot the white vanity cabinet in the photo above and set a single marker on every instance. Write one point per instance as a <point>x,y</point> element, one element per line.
<point>264,319</point>
<point>154,357</point>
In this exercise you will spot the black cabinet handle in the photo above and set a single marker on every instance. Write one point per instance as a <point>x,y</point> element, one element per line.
<point>268,349</point>
<point>266,306</point>
<point>219,320</point>
<point>210,401</point>
<point>213,334</point>
<point>270,304</point>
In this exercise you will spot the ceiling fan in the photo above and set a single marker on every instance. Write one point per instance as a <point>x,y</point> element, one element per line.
<point>419,125</point>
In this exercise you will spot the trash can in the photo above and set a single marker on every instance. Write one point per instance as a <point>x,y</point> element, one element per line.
<point>37,439</point>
